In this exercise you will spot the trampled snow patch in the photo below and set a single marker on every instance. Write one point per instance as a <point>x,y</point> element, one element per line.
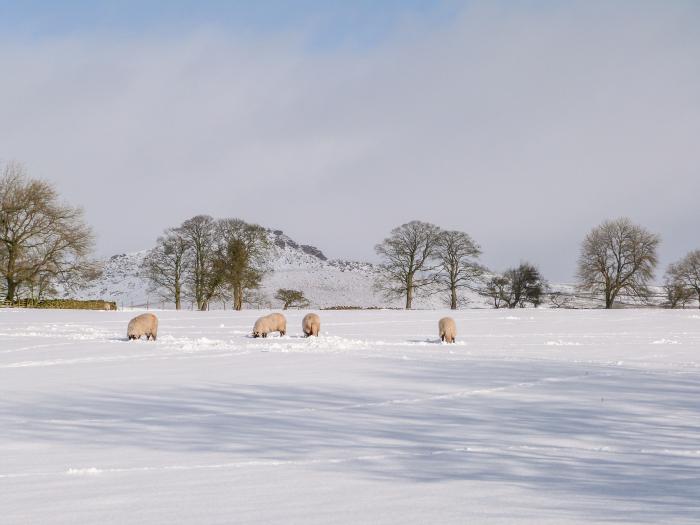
<point>321,344</point>
<point>91,471</point>
<point>559,342</point>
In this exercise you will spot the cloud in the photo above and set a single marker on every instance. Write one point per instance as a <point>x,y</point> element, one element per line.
<point>523,126</point>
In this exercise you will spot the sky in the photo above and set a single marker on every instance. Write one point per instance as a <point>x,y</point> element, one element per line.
<point>524,124</point>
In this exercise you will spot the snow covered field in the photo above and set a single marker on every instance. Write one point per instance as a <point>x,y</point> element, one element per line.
<point>535,416</point>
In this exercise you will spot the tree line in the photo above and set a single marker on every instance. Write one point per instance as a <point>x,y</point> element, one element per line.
<point>46,244</point>
<point>617,258</point>
<point>205,259</point>
<point>420,258</point>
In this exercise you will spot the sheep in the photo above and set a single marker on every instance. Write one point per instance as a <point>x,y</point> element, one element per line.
<point>270,323</point>
<point>447,329</point>
<point>279,323</point>
<point>261,327</point>
<point>311,325</point>
<point>144,324</point>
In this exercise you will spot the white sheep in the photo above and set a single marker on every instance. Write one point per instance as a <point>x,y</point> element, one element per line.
<point>270,323</point>
<point>447,329</point>
<point>311,325</point>
<point>144,324</point>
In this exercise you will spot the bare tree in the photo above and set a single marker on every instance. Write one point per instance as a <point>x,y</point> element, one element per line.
<point>618,257</point>
<point>561,300</point>
<point>203,281</point>
<point>166,265</point>
<point>242,256</point>
<point>496,289</point>
<point>407,254</point>
<point>455,253</point>
<point>42,241</point>
<point>686,273</point>
<point>41,286</point>
<point>257,299</point>
<point>75,275</point>
<point>677,293</point>
<point>293,298</point>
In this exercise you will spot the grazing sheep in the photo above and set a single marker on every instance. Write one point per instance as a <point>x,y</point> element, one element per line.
<point>262,327</point>
<point>144,324</point>
<point>279,323</point>
<point>270,323</point>
<point>447,329</point>
<point>311,325</point>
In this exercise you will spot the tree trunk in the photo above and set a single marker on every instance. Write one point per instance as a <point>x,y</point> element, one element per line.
<point>11,290</point>
<point>9,274</point>
<point>177,297</point>
<point>409,292</point>
<point>238,297</point>
<point>453,297</point>
<point>609,299</point>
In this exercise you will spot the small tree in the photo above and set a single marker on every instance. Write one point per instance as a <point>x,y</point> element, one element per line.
<point>677,294</point>
<point>618,257</point>
<point>496,289</point>
<point>291,298</point>
<point>455,253</point>
<point>686,274</point>
<point>42,241</point>
<point>39,287</point>
<point>166,265</point>
<point>561,300</point>
<point>407,253</point>
<point>257,299</point>
<point>516,287</point>
<point>525,285</point>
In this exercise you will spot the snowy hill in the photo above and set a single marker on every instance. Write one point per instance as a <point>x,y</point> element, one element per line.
<point>120,281</point>
<point>326,283</point>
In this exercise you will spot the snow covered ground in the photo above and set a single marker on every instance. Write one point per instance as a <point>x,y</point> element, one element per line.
<point>534,416</point>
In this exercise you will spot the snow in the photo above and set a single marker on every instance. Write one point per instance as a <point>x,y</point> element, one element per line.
<point>543,417</point>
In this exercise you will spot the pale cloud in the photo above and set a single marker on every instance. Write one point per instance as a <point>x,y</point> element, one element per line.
<point>524,128</point>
